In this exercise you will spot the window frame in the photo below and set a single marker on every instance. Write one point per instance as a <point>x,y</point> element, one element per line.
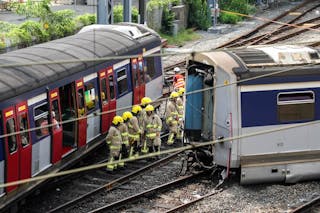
<point>297,103</point>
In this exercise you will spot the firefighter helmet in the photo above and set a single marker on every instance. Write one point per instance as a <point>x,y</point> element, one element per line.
<point>127,115</point>
<point>149,108</point>
<point>181,91</point>
<point>145,101</point>
<point>176,69</point>
<point>136,109</point>
<point>174,95</point>
<point>117,119</point>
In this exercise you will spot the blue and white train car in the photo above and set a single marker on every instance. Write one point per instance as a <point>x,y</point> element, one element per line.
<point>91,85</point>
<point>257,89</point>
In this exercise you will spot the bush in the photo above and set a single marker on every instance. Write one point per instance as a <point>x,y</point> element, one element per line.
<point>87,19</point>
<point>118,14</point>
<point>61,23</point>
<point>229,18</point>
<point>19,37</point>
<point>199,14</point>
<point>239,6</point>
<point>36,30</point>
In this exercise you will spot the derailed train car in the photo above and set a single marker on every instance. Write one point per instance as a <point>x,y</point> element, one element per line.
<point>83,88</point>
<point>254,90</point>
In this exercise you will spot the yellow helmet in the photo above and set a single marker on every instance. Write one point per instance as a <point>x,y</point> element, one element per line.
<point>145,101</point>
<point>181,90</point>
<point>149,108</point>
<point>174,95</point>
<point>136,109</point>
<point>127,115</point>
<point>117,119</point>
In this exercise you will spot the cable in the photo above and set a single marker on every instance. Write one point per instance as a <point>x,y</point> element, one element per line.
<point>173,150</point>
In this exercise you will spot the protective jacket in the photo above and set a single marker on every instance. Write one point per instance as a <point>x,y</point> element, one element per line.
<point>134,129</point>
<point>114,140</point>
<point>153,126</point>
<point>124,133</point>
<point>178,81</point>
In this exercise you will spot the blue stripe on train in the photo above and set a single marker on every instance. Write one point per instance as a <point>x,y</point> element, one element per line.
<point>259,108</point>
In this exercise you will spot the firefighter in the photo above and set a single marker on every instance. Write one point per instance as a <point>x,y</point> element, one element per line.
<point>144,102</point>
<point>180,109</point>
<point>114,141</point>
<point>135,129</point>
<point>172,117</point>
<point>123,127</point>
<point>153,126</point>
<point>132,134</point>
<point>178,80</point>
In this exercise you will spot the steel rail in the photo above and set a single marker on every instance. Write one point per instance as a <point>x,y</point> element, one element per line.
<point>256,40</point>
<point>257,29</point>
<point>307,206</point>
<point>182,206</point>
<point>290,35</point>
<point>141,194</point>
<point>115,183</point>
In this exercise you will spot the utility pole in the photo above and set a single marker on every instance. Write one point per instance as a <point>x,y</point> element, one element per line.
<point>127,10</point>
<point>142,11</point>
<point>214,9</point>
<point>105,12</point>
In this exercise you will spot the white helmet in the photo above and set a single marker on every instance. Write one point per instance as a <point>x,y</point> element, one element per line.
<point>176,69</point>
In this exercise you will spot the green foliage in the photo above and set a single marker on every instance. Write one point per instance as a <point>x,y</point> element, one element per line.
<point>227,18</point>
<point>6,27</point>
<point>239,6</point>
<point>199,14</point>
<point>182,37</point>
<point>61,23</point>
<point>87,19</point>
<point>118,14</point>
<point>33,9</point>
<point>167,21</point>
<point>19,37</point>
<point>35,29</point>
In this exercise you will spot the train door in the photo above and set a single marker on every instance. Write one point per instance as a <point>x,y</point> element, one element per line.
<point>11,147</point>
<point>138,80</point>
<point>108,98</point>
<point>81,113</point>
<point>68,116</point>
<point>92,107</point>
<point>56,129</point>
<point>24,141</point>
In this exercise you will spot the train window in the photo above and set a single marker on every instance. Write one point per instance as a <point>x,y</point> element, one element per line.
<point>141,69</point>
<point>55,114</point>
<point>135,75</point>
<point>150,69</point>
<point>314,55</point>
<point>12,139</point>
<point>122,81</point>
<point>297,106</point>
<point>41,120</point>
<point>80,103</point>
<point>90,96</point>
<point>104,98</point>
<point>23,121</point>
<point>111,87</point>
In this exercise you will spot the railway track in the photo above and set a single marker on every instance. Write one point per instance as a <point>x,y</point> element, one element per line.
<point>270,32</point>
<point>125,184</point>
<point>311,206</point>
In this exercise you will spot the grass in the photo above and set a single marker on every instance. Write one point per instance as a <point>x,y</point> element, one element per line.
<point>181,38</point>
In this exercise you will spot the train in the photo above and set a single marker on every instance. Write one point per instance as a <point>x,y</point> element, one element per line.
<point>87,77</point>
<point>261,107</point>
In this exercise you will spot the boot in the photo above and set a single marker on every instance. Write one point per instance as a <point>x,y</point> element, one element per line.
<point>144,149</point>
<point>110,167</point>
<point>170,139</point>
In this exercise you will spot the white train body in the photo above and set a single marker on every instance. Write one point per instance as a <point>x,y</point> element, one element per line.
<point>252,96</point>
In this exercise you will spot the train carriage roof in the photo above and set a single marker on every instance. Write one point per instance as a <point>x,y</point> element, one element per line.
<point>91,43</point>
<point>303,63</point>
